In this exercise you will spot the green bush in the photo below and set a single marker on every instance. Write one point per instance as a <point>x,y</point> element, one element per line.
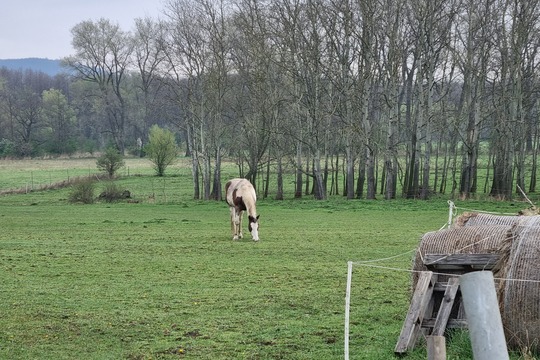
<point>82,192</point>
<point>7,148</point>
<point>161,149</point>
<point>112,193</point>
<point>110,162</point>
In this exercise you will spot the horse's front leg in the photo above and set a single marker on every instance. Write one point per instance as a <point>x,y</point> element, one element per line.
<point>240,214</point>
<point>234,223</point>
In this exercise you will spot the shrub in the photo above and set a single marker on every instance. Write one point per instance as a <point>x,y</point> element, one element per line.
<point>7,148</point>
<point>110,162</point>
<point>112,193</point>
<point>82,192</point>
<point>161,149</point>
<point>25,149</point>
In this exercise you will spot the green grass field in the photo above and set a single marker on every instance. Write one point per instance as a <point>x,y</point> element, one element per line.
<point>162,279</point>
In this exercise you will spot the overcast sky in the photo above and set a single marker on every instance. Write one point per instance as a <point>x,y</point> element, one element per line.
<point>42,28</point>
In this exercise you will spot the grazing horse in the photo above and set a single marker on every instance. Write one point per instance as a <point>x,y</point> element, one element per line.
<point>241,197</point>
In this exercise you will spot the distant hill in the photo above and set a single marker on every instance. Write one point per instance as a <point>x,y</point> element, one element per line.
<point>47,66</point>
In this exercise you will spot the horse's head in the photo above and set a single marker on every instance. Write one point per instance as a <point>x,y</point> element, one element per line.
<point>253,227</point>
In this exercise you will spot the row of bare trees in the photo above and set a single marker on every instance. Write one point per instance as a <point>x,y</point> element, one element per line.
<point>358,97</point>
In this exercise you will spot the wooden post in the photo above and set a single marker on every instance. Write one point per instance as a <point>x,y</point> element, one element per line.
<point>421,305</point>
<point>436,347</point>
<point>483,316</point>
<point>451,208</point>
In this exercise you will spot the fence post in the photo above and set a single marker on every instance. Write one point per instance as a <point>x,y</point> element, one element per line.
<point>451,208</point>
<point>436,347</point>
<point>483,316</point>
<point>347,308</point>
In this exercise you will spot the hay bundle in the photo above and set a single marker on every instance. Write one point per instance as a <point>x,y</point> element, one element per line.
<point>517,240</point>
<point>520,300</point>
<point>476,219</point>
<point>461,240</point>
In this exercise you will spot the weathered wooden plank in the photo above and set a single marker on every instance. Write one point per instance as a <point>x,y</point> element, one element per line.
<point>436,348</point>
<point>420,303</point>
<point>440,287</point>
<point>484,261</point>
<point>452,323</point>
<point>446,307</point>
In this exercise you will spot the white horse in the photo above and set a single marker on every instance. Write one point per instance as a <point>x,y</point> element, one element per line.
<point>241,197</point>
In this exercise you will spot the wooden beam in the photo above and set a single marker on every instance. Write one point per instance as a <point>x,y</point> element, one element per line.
<point>420,304</point>
<point>446,307</point>
<point>452,323</point>
<point>461,261</point>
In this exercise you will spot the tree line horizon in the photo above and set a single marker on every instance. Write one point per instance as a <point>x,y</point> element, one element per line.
<point>354,97</point>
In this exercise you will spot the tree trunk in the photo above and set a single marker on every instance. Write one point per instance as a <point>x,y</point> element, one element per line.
<point>279,192</point>
<point>370,172</point>
<point>361,176</point>
<point>534,165</point>
<point>299,172</point>
<point>216,188</point>
<point>350,169</point>
<point>320,188</point>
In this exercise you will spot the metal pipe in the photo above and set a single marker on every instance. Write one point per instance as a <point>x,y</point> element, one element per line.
<point>483,316</point>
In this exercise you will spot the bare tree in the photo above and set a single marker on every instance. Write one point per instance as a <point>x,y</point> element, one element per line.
<point>217,30</point>
<point>148,56</point>
<point>302,36</point>
<point>368,56</point>
<point>260,87</point>
<point>102,56</point>
<point>198,62</point>
<point>28,117</point>
<point>392,55</point>
<point>525,39</point>
<point>512,45</point>
<point>340,25</point>
<point>430,24</point>
<point>472,53</point>
<point>185,54</point>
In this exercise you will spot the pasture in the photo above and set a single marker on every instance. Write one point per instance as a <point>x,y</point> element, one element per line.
<point>162,279</point>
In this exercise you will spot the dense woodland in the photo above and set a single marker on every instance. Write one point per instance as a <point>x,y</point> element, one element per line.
<point>361,98</point>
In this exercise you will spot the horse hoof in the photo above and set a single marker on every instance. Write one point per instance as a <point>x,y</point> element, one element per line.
<point>235,237</point>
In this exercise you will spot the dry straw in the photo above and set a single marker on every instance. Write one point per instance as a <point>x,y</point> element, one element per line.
<point>476,219</point>
<point>519,291</point>
<point>460,240</point>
